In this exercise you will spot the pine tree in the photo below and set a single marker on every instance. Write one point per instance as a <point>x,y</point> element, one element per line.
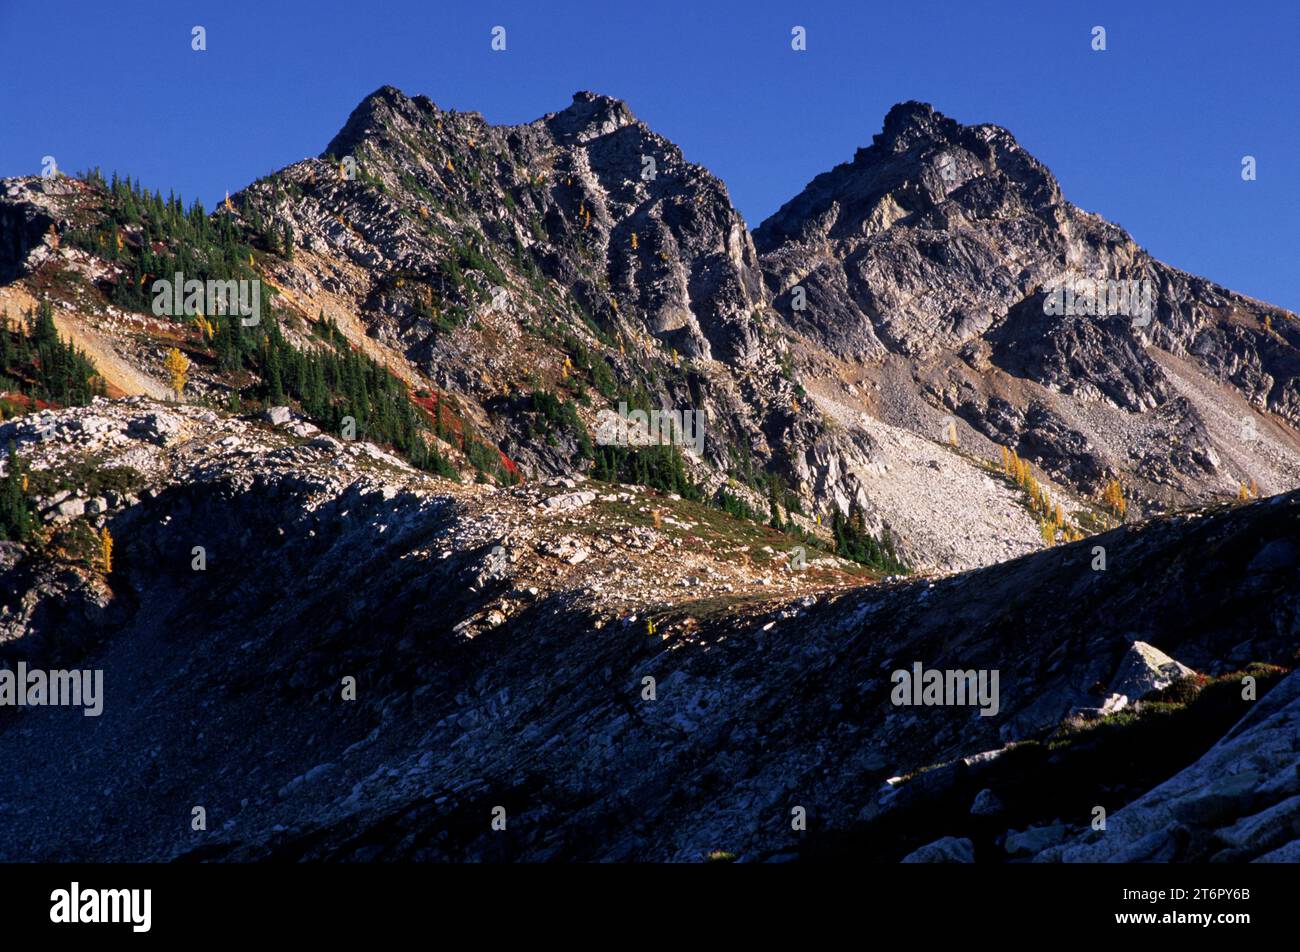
<point>274,384</point>
<point>15,517</point>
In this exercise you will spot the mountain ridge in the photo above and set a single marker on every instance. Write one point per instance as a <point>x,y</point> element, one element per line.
<point>583,233</point>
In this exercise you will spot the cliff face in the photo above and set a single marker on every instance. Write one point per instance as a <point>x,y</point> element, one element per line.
<point>952,247</point>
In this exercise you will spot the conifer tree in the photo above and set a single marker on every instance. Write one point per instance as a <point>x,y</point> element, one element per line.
<point>15,517</point>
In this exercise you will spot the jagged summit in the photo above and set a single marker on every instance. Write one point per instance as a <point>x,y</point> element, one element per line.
<point>377,113</point>
<point>939,244</point>
<point>589,115</point>
<point>922,158</point>
<point>910,122</point>
<point>387,110</point>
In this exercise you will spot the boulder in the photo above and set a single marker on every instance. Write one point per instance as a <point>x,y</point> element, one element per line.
<point>950,849</point>
<point>987,803</point>
<point>11,553</point>
<point>567,501</point>
<point>70,509</point>
<point>157,428</point>
<point>1145,669</point>
<point>1035,839</point>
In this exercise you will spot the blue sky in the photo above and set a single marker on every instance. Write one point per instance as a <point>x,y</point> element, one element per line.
<point>1149,133</point>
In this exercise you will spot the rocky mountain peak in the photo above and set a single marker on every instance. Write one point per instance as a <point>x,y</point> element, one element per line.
<point>375,115</point>
<point>589,116</point>
<point>908,123</point>
<point>919,161</point>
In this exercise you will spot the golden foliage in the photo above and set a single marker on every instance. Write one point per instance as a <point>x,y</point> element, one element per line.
<point>177,366</point>
<point>1052,520</point>
<point>1113,498</point>
<point>106,549</point>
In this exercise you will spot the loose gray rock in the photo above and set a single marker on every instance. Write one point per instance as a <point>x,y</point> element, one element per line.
<point>950,849</point>
<point>566,501</point>
<point>160,428</point>
<point>1035,839</point>
<point>986,803</point>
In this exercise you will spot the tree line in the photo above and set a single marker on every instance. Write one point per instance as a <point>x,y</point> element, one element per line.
<point>36,362</point>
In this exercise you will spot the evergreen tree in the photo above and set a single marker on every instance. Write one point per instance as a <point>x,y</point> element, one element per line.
<point>15,517</point>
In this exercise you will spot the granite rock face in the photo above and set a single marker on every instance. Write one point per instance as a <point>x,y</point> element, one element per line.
<point>1240,802</point>
<point>954,248</point>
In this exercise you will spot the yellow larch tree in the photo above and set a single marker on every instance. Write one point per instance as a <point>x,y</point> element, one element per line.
<point>1113,497</point>
<point>177,366</point>
<point>106,549</point>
